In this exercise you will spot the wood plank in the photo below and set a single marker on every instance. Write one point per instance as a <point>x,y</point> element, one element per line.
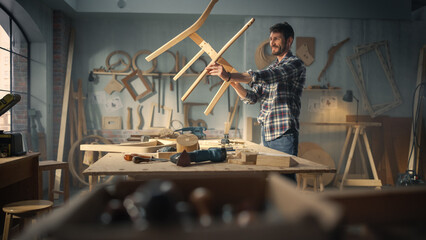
<point>126,148</point>
<point>66,97</point>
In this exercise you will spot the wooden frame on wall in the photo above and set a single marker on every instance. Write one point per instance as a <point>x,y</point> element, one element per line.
<point>384,58</point>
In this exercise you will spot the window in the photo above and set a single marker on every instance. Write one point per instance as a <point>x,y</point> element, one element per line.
<point>14,73</point>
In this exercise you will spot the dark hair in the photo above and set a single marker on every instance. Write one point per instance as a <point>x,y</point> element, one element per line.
<point>283,28</point>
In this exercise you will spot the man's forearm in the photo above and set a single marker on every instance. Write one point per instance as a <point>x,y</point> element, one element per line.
<point>241,91</point>
<point>240,77</point>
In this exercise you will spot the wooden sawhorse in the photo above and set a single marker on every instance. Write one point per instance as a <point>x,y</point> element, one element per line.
<point>357,129</point>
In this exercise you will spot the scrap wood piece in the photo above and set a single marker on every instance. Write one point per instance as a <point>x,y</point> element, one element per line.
<point>139,112</point>
<point>113,85</point>
<point>309,42</point>
<point>110,66</point>
<point>193,28</point>
<point>331,52</point>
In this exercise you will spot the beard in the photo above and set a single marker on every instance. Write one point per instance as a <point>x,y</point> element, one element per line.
<point>279,51</point>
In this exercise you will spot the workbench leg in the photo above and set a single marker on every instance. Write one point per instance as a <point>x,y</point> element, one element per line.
<point>299,183</point>
<point>363,161</point>
<point>370,158</point>
<point>321,182</point>
<point>342,155</point>
<point>351,153</point>
<point>93,180</point>
<point>315,182</point>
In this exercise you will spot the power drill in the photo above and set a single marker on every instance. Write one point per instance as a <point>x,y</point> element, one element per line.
<point>184,158</point>
<point>197,131</point>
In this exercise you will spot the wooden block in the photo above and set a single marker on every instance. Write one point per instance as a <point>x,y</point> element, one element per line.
<point>188,142</point>
<point>239,161</point>
<point>276,160</point>
<point>165,155</point>
<point>249,157</point>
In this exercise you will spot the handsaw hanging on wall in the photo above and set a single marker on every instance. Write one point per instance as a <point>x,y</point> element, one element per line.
<point>205,48</point>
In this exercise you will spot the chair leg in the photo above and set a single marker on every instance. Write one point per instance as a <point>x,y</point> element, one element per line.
<point>51,184</point>
<point>66,184</point>
<point>6,226</point>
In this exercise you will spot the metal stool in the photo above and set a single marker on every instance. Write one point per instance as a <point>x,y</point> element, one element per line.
<point>52,166</point>
<point>27,210</point>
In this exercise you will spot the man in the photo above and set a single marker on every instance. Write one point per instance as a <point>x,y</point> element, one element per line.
<point>278,88</point>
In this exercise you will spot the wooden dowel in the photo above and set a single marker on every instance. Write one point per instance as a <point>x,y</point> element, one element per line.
<point>216,97</point>
<point>182,71</point>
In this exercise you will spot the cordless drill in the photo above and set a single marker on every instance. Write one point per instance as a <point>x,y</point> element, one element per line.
<point>184,158</point>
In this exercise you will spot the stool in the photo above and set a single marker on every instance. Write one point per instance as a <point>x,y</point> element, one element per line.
<point>52,166</point>
<point>24,209</point>
<point>302,181</point>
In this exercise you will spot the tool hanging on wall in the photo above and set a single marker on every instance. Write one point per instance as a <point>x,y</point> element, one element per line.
<point>158,90</point>
<point>205,47</point>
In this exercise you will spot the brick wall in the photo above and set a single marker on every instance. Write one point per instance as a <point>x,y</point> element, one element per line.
<point>61,32</point>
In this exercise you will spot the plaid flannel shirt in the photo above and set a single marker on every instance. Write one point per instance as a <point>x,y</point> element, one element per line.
<point>279,89</point>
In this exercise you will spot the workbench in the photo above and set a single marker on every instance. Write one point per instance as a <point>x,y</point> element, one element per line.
<point>114,164</point>
<point>18,179</point>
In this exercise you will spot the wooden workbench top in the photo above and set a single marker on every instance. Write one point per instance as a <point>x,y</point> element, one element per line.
<point>114,164</point>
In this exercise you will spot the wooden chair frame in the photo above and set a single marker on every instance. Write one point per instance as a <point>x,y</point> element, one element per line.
<point>205,48</point>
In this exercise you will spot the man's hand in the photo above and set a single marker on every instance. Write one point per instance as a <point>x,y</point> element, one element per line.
<point>216,69</point>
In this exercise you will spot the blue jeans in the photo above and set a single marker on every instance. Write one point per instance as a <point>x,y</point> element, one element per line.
<point>288,143</point>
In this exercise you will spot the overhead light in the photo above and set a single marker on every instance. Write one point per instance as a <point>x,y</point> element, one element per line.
<point>121,3</point>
